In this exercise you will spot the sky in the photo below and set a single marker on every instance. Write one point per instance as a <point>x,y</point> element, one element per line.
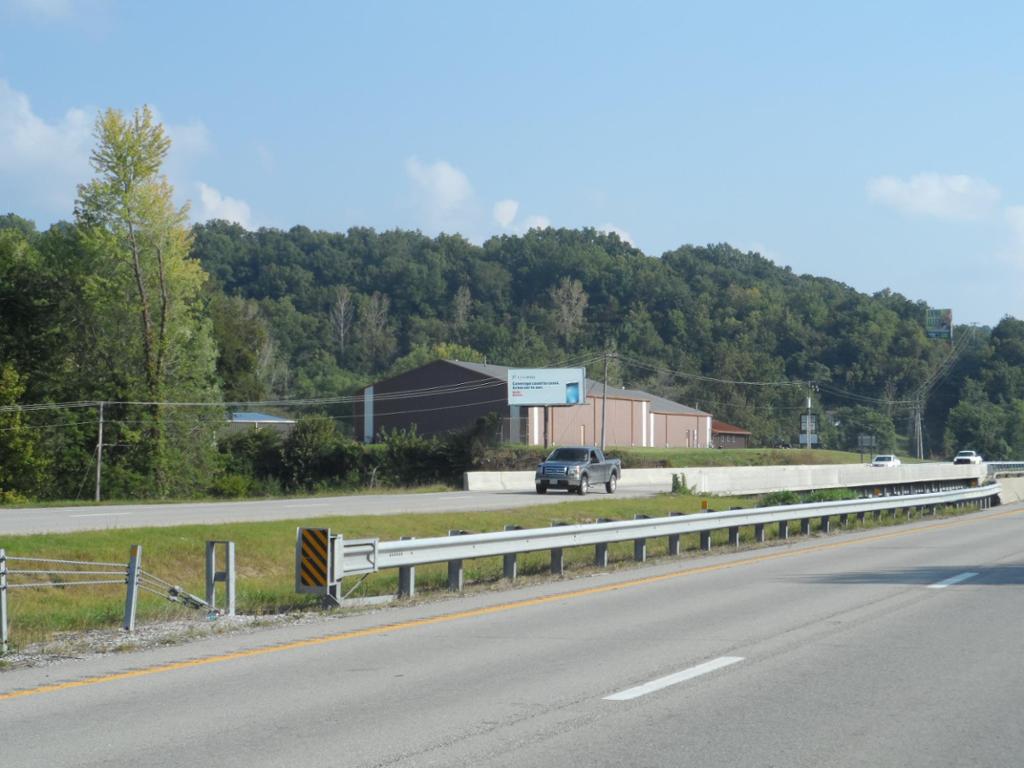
<point>877,144</point>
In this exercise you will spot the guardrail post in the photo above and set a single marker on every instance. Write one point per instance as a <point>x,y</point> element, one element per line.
<point>759,533</point>
<point>640,545</point>
<point>132,598</point>
<point>407,577</point>
<point>805,526</point>
<point>826,524</point>
<point>557,557</point>
<point>227,575</point>
<point>673,538</point>
<point>455,571</point>
<point>510,567</point>
<point>784,529</point>
<point>705,541</point>
<point>734,536</point>
<point>4,636</point>
<point>601,550</point>
<point>844,520</point>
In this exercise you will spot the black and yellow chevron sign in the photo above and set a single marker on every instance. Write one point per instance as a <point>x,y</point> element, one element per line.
<point>314,544</point>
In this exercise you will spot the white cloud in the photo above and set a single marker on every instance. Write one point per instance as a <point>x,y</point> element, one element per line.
<point>443,192</point>
<point>49,9</point>
<point>933,194</point>
<point>624,236</point>
<point>505,212</point>
<point>536,222</point>
<point>41,162</point>
<point>214,205</point>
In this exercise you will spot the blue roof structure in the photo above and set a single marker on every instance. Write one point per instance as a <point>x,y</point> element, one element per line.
<point>251,416</point>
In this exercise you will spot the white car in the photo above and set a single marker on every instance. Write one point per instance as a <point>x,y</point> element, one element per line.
<point>885,460</point>
<point>967,457</point>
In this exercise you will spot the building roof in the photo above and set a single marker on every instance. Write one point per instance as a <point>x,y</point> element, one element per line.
<point>594,389</point>
<point>721,427</point>
<point>249,417</point>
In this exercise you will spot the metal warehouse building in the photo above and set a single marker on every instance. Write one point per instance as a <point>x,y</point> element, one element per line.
<point>447,395</point>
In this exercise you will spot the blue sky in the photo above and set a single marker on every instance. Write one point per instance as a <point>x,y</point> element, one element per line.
<point>877,145</point>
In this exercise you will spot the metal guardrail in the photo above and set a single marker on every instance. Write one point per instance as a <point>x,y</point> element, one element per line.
<point>998,468</point>
<point>369,555</point>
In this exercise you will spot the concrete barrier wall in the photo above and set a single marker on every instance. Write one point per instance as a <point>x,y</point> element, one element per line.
<point>723,481</point>
<point>1012,489</point>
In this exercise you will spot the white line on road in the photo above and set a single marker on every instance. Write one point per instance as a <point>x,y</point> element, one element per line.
<point>308,505</point>
<point>103,514</point>
<point>953,580</point>
<point>678,677</point>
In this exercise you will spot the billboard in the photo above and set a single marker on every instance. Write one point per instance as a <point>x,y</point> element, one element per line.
<point>547,386</point>
<point>938,323</point>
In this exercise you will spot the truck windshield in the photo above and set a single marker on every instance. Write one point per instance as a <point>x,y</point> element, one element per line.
<point>568,454</point>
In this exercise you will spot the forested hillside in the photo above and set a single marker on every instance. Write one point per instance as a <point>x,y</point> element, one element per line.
<point>165,324</point>
<point>332,310</point>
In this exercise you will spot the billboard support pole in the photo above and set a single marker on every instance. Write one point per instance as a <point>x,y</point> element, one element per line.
<point>604,400</point>
<point>545,426</point>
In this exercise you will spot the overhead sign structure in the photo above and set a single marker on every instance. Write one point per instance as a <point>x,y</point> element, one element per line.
<point>938,323</point>
<point>547,386</point>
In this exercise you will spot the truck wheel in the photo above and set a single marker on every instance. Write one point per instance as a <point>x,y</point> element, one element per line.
<point>584,486</point>
<point>542,489</point>
<point>612,483</point>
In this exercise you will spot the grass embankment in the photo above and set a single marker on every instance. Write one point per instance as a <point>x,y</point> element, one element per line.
<point>526,457</point>
<point>265,559</point>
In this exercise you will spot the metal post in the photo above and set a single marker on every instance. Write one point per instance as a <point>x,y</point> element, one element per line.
<point>456,577</point>
<point>99,454</point>
<point>4,636</point>
<point>784,529</point>
<point>557,557</point>
<point>601,550</point>
<point>132,598</point>
<point>805,526</point>
<point>640,545</point>
<point>734,536</point>
<point>673,538</point>
<point>604,400</point>
<point>407,577</point>
<point>826,524</point>
<point>510,566</point>
<point>227,575</point>
<point>759,533</point>
<point>844,519</point>
<point>705,541</point>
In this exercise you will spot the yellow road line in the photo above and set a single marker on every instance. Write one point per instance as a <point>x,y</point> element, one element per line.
<point>501,608</point>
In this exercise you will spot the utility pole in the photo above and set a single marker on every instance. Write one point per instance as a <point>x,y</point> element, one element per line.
<point>604,399</point>
<point>99,454</point>
<point>808,427</point>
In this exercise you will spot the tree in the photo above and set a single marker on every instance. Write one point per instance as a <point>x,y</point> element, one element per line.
<point>570,302</point>
<point>341,318</point>
<point>151,289</point>
<point>22,469</point>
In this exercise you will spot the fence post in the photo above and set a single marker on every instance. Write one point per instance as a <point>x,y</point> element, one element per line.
<point>4,637</point>
<point>132,598</point>
<point>407,577</point>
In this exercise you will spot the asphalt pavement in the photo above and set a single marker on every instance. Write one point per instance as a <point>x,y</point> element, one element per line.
<point>889,647</point>
<point>98,517</point>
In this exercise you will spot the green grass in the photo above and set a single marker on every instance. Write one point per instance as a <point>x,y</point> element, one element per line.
<point>265,558</point>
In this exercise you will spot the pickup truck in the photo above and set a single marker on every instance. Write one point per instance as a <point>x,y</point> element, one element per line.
<point>967,457</point>
<point>577,468</point>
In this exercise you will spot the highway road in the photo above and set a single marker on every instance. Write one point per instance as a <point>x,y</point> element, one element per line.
<point>98,517</point>
<point>891,647</point>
